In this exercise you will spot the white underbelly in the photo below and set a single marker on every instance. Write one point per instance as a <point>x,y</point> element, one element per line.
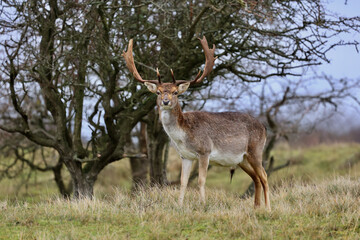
<point>225,159</point>
<point>216,157</point>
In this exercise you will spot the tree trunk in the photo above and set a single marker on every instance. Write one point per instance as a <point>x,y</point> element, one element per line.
<point>157,140</point>
<point>83,187</point>
<point>140,165</point>
<point>64,191</point>
<point>82,182</point>
<point>139,170</point>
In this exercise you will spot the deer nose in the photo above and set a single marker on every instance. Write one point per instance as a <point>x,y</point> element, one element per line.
<point>166,102</point>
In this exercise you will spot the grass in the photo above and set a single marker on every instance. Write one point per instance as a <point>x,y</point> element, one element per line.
<point>317,197</point>
<point>329,209</point>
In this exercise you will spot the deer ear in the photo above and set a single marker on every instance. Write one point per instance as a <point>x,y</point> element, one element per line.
<point>151,86</point>
<point>183,87</point>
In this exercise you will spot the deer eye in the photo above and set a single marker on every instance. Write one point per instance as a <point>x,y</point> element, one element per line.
<point>158,92</point>
<point>176,93</point>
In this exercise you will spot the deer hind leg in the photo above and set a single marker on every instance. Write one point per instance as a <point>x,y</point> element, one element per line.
<point>260,172</point>
<point>264,183</point>
<point>203,167</point>
<point>257,182</point>
<point>185,173</point>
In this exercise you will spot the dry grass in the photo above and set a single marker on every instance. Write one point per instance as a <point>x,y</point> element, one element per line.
<point>317,197</point>
<point>324,210</point>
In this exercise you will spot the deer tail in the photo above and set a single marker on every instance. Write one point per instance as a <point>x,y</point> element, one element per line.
<point>232,171</point>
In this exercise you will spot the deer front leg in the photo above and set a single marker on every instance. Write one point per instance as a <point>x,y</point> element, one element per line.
<point>185,173</point>
<point>203,167</point>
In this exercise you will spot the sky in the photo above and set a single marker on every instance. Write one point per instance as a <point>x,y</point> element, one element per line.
<point>345,61</point>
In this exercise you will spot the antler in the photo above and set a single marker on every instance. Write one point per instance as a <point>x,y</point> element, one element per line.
<point>209,64</point>
<point>129,59</point>
<point>209,60</point>
<point>172,75</point>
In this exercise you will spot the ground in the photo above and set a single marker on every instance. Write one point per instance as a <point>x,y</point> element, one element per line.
<point>315,198</point>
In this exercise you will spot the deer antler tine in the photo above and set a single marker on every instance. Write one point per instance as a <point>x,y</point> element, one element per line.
<point>198,75</point>
<point>158,75</point>
<point>172,75</point>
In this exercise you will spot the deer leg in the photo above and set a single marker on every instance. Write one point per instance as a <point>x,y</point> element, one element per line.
<point>185,173</point>
<point>264,182</point>
<point>250,171</point>
<point>260,172</point>
<point>203,167</point>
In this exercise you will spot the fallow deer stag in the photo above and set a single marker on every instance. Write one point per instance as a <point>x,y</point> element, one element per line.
<point>228,139</point>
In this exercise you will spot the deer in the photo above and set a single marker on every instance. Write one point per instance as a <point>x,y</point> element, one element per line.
<point>227,139</point>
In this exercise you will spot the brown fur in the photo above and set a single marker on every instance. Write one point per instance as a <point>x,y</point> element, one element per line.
<point>231,132</point>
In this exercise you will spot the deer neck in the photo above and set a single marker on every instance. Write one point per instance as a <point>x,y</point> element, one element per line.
<point>172,119</point>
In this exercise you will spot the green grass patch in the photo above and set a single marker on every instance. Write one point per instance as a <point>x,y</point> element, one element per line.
<point>316,197</point>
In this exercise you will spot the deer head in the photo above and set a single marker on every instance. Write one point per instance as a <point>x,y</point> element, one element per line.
<point>168,92</point>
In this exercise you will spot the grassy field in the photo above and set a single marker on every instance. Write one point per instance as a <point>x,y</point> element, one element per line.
<point>317,197</point>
